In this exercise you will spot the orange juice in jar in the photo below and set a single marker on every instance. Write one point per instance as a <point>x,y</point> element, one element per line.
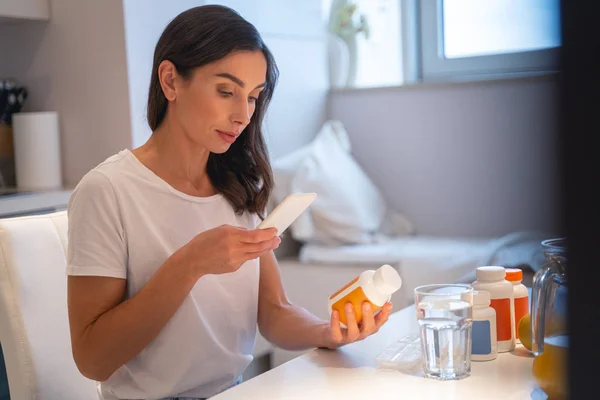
<point>550,367</point>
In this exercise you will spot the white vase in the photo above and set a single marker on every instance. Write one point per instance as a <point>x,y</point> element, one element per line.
<point>352,45</point>
<point>338,59</point>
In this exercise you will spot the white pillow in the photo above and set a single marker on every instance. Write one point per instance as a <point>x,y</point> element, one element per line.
<point>284,170</point>
<point>286,167</point>
<point>349,208</point>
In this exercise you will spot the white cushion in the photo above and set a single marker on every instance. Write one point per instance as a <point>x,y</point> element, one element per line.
<point>284,170</point>
<point>349,208</point>
<point>34,327</point>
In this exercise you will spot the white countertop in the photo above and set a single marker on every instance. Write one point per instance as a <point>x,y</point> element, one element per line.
<point>351,373</point>
<point>18,203</point>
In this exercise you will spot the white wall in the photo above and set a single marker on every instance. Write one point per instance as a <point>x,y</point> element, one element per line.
<point>471,159</point>
<point>144,22</point>
<point>293,31</point>
<point>75,64</point>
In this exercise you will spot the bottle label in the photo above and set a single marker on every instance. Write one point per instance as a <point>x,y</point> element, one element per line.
<point>352,282</point>
<point>481,338</point>
<point>357,297</point>
<point>521,308</point>
<point>503,318</point>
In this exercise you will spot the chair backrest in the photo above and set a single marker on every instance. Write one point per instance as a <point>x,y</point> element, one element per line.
<point>34,326</point>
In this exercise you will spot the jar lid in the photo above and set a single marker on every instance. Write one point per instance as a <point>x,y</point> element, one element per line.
<point>481,298</point>
<point>490,273</point>
<point>514,274</point>
<point>387,280</point>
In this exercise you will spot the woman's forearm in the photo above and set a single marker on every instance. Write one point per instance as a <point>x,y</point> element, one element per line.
<point>293,328</point>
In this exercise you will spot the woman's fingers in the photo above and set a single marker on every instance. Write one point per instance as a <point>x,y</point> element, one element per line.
<point>255,252</point>
<point>368,320</point>
<point>336,330</point>
<point>352,331</point>
<point>256,235</point>
<point>263,246</point>
<point>383,315</point>
<point>369,325</point>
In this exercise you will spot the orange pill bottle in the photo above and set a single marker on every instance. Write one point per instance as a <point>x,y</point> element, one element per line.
<point>374,286</point>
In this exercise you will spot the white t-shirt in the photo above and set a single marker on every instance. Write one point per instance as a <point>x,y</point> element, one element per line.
<point>124,222</point>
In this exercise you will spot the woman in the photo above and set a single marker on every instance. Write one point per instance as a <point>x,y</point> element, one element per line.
<point>168,277</point>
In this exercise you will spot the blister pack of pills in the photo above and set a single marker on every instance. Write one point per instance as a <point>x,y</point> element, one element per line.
<point>403,354</point>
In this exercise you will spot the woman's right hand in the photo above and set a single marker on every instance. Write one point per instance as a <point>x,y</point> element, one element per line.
<point>225,248</point>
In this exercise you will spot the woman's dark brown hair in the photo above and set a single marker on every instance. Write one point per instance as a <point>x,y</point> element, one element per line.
<point>199,36</point>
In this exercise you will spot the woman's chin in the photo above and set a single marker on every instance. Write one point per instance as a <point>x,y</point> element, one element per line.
<point>220,148</point>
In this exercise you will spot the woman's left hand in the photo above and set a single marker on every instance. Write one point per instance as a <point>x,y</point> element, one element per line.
<point>337,336</point>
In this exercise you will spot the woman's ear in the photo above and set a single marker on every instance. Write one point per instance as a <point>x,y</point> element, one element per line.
<point>166,76</point>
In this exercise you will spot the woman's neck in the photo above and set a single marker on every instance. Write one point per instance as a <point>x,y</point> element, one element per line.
<point>182,164</point>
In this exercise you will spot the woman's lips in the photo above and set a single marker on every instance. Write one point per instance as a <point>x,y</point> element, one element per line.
<point>228,137</point>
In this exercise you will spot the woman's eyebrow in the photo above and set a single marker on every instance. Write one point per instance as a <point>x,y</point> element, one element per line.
<point>237,80</point>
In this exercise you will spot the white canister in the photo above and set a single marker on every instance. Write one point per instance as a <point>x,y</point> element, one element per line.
<point>37,150</point>
<point>484,343</point>
<point>492,279</point>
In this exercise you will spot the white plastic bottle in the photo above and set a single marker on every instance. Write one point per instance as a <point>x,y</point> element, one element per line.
<point>484,343</point>
<point>374,286</point>
<point>491,279</point>
<point>521,297</point>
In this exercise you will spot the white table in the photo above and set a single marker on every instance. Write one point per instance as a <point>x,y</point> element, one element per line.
<point>351,373</point>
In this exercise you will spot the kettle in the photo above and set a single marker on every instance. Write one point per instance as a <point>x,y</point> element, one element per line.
<point>549,331</point>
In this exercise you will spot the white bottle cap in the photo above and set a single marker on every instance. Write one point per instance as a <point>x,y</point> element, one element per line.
<point>387,280</point>
<point>481,298</point>
<point>491,273</point>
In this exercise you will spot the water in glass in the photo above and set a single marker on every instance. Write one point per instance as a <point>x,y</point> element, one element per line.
<point>445,324</point>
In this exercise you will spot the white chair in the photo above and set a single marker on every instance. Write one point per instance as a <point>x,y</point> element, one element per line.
<point>34,327</point>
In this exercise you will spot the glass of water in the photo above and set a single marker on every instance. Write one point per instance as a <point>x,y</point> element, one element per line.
<point>444,313</point>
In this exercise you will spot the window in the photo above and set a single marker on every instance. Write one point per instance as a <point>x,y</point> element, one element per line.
<point>475,28</point>
<point>445,39</point>
<point>474,37</point>
<point>380,63</point>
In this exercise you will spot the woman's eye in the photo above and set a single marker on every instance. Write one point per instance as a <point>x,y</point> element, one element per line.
<point>225,94</point>
<point>253,100</point>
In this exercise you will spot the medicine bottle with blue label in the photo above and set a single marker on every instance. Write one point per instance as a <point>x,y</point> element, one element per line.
<point>484,344</point>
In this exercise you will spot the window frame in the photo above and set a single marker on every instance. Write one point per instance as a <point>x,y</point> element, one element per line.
<point>433,66</point>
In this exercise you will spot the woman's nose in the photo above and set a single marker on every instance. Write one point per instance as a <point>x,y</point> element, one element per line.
<point>241,114</point>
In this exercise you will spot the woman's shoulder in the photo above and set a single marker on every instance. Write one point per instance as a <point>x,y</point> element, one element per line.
<point>113,166</point>
<point>100,179</point>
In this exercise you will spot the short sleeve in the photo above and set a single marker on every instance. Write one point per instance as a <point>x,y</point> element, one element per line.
<point>96,242</point>
<point>254,221</point>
